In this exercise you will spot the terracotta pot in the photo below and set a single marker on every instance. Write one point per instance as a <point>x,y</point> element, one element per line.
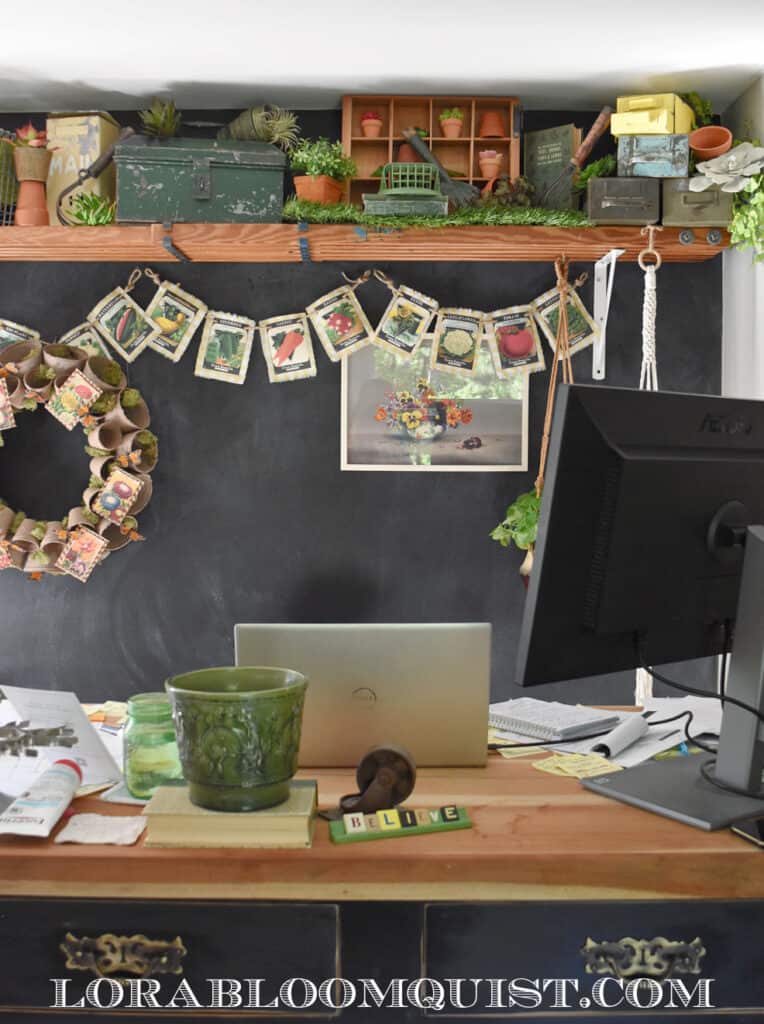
<point>91,371</point>
<point>491,125</point>
<point>25,356</point>
<point>371,129</point>
<point>407,154</point>
<point>490,168</point>
<point>710,141</point>
<point>451,127</point>
<point>320,189</point>
<point>63,365</point>
<point>31,163</point>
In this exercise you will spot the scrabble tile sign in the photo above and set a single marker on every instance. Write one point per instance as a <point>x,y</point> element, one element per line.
<point>397,822</point>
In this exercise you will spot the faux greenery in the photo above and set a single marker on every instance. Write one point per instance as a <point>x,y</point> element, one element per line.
<point>104,404</point>
<point>454,112</point>
<point>322,157</point>
<point>88,208</point>
<point>747,225</point>
<point>270,124</point>
<point>108,370</point>
<point>161,120</point>
<point>605,167</point>
<point>130,398</point>
<point>520,524</point>
<point>703,109</point>
<point>491,212</point>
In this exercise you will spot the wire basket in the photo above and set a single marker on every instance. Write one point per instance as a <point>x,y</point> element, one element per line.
<point>9,186</point>
<point>418,178</point>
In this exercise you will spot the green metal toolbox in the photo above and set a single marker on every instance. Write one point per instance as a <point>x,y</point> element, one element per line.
<point>198,181</point>
<point>623,200</point>
<point>683,208</point>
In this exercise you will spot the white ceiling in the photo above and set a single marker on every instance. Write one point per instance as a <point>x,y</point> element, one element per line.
<point>307,53</point>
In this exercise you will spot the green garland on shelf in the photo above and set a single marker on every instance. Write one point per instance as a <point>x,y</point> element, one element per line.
<point>490,213</point>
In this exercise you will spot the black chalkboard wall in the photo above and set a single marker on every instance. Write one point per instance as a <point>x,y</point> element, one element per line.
<point>252,519</point>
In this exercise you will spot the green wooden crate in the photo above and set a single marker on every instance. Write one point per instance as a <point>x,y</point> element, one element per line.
<point>407,188</point>
<point>198,181</point>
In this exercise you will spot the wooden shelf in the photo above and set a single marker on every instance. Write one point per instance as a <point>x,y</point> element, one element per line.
<point>280,243</point>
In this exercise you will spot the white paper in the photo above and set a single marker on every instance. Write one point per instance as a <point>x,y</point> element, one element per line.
<point>102,828</point>
<point>120,794</point>
<point>706,712</point>
<point>46,709</point>
<point>657,739</point>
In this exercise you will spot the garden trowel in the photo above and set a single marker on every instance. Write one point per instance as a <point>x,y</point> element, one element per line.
<point>459,193</point>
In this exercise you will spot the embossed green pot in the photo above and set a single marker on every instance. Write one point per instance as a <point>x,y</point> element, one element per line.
<point>238,733</point>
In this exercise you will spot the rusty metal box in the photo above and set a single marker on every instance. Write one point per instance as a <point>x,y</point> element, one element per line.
<point>623,200</point>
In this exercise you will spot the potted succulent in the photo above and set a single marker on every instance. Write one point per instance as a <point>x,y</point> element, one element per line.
<point>451,122</point>
<point>322,168</point>
<point>371,124</point>
<point>490,163</point>
<point>31,160</point>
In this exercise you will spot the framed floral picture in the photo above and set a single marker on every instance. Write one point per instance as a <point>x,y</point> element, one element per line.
<point>399,414</point>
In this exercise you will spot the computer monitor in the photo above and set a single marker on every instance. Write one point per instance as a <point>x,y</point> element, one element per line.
<point>648,523</point>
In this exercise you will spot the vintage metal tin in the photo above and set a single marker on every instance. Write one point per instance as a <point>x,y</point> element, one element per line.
<point>623,200</point>
<point>656,114</point>
<point>653,156</point>
<point>683,208</point>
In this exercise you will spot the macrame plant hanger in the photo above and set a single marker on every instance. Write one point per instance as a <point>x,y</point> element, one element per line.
<point>648,380</point>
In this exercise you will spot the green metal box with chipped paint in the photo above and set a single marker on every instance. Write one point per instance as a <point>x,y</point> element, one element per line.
<point>683,208</point>
<point>198,181</point>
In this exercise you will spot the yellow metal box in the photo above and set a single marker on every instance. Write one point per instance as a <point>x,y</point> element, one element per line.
<point>77,139</point>
<point>657,114</point>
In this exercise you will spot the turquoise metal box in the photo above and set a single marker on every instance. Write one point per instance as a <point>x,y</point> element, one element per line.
<point>198,181</point>
<point>653,156</point>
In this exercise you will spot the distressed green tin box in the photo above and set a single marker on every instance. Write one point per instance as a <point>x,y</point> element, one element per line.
<point>683,208</point>
<point>198,181</point>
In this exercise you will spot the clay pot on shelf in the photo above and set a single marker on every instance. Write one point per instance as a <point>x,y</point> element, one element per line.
<point>407,154</point>
<point>451,127</point>
<point>320,189</point>
<point>371,127</point>
<point>31,163</point>
<point>491,125</point>
<point>490,163</point>
<point>710,141</point>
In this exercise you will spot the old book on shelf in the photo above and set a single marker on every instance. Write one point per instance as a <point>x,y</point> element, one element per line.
<point>174,821</point>
<point>547,154</point>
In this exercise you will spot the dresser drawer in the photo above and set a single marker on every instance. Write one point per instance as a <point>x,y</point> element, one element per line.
<point>164,944</point>
<point>623,960</point>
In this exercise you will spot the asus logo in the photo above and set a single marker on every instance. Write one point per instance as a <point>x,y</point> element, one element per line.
<point>724,425</point>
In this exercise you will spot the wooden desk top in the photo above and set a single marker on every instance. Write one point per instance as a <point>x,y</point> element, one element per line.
<point>535,836</point>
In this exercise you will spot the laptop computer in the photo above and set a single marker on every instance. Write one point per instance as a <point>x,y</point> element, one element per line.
<point>423,686</point>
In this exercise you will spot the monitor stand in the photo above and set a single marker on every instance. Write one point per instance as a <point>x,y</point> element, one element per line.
<point>675,788</point>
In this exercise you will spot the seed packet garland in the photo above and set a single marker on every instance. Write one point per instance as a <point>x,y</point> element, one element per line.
<point>582,330</point>
<point>124,325</point>
<point>287,347</point>
<point>86,337</point>
<point>82,552</point>
<point>76,394</point>
<point>225,347</point>
<point>7,419</point>
<point>405,321</point>
<point>456,342</point>
<point>340,322</point>
<point>178,316</point>
<point>119,494</point>
<point>11,332</point>
<point>513,340</point>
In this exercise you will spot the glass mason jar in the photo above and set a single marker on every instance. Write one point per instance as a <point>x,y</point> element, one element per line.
<point>151,751</point>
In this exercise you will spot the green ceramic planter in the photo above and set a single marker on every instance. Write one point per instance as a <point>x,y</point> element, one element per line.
<point>238,734</point>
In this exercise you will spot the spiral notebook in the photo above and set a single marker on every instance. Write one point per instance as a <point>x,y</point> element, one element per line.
<point>549,720</point>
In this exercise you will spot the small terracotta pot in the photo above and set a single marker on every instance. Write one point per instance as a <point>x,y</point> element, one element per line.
<point>320,189</point>
<point>63,365</point>
<point>25,356</point>
<point>371,129</point>
<point>451,127</point>
<point>491,125</point>
<point>407,154</point>
<point>490,168</point>
<point>106,436</point>
<point>31,208</point>
<point>91,372</point>
<point>710,141</point>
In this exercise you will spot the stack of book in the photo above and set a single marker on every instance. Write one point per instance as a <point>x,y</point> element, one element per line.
<point>174,821</point>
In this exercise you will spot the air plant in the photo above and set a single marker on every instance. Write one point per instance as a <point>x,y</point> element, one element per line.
<point>162,120</point>
<point>270,124</point>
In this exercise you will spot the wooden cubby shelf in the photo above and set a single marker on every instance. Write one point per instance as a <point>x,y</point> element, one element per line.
<point>339,243</point>
<point>281,243</point>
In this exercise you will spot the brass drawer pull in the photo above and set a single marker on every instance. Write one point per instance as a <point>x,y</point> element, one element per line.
<point>109,954</point>
<point>646,958</point>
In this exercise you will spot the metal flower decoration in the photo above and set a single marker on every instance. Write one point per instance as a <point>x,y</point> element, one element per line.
<point>731,171</point>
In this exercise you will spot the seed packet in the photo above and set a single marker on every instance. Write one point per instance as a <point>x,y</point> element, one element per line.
<point>340,323</point>
<point>119,494</point>
<point>122,322</point>
<point>177,314</point>
<point>82,553</point>
<point>513,340</point>
<point>456,342</point>
<point>225,347</point>
<point>582,330</point>
<point>405,321</point>
<point>7,419</point>
<point>11,332</point>
<point>86,337</point>
<point>77,393</point>
<point>287,347</point>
